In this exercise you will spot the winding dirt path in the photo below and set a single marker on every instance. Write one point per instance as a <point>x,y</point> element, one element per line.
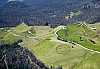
<point>63,27</point>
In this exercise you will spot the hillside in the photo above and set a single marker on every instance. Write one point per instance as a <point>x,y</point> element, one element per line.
<point>49,12</point>
<point>53,52</point>
<point>81,34</point>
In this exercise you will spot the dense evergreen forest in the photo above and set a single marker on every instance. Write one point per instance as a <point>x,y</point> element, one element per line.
<point>48,12</point>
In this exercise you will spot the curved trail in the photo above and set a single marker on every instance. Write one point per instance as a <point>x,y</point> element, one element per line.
<point>63,27</point>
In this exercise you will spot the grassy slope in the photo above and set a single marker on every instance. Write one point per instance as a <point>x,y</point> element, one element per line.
<point>15,34</point>
<point>74,32</point>
<point>21,28</point>
<point>57,53</point>
<point>92,62</point>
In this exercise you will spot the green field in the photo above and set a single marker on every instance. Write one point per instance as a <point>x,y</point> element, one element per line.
<point>43,42</point>
<point>81,34</point>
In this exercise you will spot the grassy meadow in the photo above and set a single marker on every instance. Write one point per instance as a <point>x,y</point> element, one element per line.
<point>42,41</point>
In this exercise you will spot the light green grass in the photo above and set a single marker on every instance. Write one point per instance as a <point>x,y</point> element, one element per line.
<point>90,63</point>
<point>10,38</point>
<point>22,28</point>
<point>56,53</point>
<point>74,32</point>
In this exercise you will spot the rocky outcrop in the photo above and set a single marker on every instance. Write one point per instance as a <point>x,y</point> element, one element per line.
<point>16,57</point>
